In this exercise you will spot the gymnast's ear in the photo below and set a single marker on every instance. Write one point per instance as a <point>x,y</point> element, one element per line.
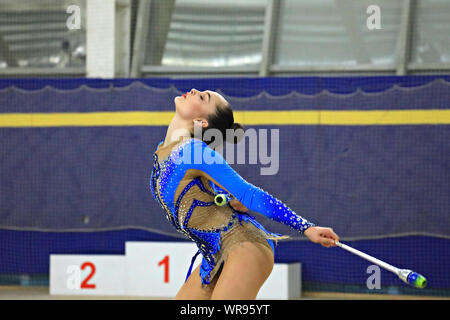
<point>201,123</point>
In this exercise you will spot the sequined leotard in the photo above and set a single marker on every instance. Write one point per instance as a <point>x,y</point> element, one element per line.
<point>185,183</point>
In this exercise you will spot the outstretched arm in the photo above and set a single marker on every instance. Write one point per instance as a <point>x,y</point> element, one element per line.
<point>324,236</point>
<point>214,167</point>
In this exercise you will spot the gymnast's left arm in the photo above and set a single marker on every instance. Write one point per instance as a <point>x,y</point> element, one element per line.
<point>214,167</point>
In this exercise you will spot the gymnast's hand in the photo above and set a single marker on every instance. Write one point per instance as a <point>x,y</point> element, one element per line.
<point>238,206</point>
<point>324,236</point>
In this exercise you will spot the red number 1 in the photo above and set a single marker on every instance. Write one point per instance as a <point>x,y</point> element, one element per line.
<point>165,262</point>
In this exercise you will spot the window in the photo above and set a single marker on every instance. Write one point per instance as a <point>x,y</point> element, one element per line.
<point>208,33</point>
<point>329,32</point>
<point>431,32</point>
<point>34,34</point>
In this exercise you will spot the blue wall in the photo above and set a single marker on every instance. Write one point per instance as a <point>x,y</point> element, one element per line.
<point>28,251</point>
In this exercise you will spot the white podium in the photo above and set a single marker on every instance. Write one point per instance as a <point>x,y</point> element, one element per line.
<point>87,275</point>
<point>157,269</point>
<point>150,269</point>
<point>284,283</point>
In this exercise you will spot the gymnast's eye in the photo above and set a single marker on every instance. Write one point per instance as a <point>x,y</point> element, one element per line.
<point>201,97</point>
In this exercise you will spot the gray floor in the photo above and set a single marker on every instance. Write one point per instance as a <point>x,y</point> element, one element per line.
<point>42,293</point>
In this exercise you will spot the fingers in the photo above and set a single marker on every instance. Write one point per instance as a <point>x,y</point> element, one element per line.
<point>325,236</point>
<point>238,205</point>
<point>329,233</point>
<point>235,204</point>
<point>329,237</point>
<point>333,235</point>
<point>328,242</point>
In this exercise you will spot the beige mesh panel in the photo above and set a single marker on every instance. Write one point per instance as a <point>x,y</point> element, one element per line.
<point>203,218</point>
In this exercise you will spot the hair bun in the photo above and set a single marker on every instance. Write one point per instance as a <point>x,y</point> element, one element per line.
<point>237,125</point>
<point>239,134</point>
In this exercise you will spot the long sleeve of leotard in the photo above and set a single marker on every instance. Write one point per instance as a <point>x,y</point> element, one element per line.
<point>198,155</point>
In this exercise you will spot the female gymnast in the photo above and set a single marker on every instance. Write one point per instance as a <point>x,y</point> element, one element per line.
<point>237,251</point>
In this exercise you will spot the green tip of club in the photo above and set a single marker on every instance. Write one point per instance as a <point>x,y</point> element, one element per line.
<point>417,280</point>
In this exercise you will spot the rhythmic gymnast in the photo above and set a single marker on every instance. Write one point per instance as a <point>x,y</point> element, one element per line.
<point>237,251</point>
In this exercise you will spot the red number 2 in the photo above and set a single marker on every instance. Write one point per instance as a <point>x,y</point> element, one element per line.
<point>85,284</point>
<point>165,262</point>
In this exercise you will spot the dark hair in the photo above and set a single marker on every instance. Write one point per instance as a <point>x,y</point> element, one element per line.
<point>222,119</point>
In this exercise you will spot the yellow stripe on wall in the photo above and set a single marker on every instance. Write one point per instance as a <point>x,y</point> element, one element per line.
<point>297,117</point>
<point>353,117</point>
<point>86,119</point>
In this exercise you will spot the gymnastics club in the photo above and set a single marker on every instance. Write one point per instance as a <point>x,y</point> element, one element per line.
<point>408,276</point>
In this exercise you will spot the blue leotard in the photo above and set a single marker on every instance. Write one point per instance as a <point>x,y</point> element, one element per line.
<point>185,184</point>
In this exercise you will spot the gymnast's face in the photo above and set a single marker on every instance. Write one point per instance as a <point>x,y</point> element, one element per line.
<point>198,105</point>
